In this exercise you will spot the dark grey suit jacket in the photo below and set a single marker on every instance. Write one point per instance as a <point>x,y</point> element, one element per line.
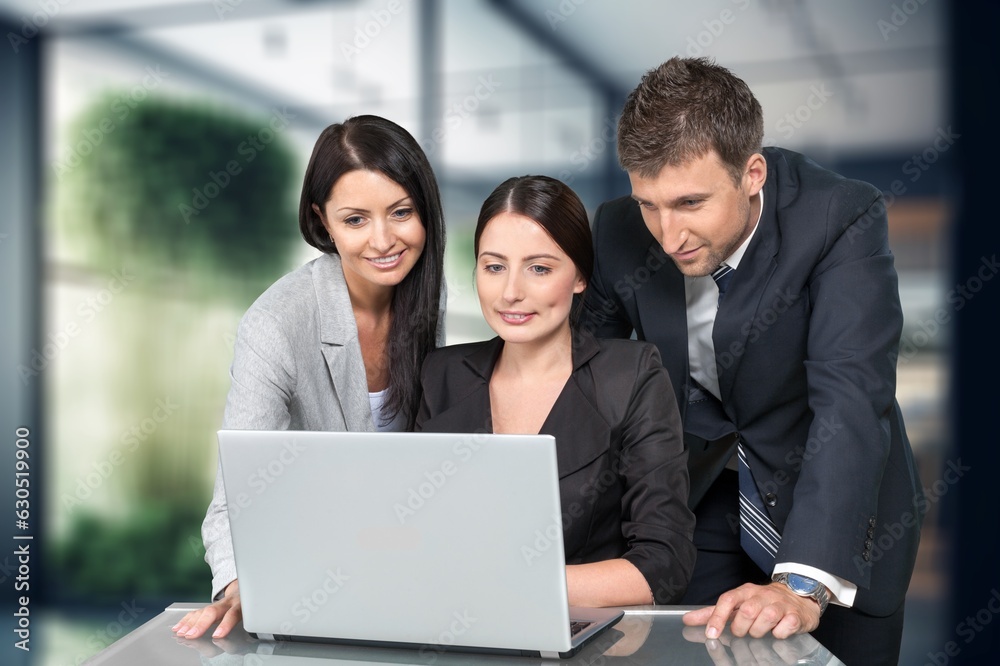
<point>623,479</point>
<point>806,341</point>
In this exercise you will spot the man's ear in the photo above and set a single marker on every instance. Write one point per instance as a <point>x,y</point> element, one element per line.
<point>754,174</point>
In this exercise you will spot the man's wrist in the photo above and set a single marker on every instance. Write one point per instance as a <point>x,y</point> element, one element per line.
<point>804,586</point>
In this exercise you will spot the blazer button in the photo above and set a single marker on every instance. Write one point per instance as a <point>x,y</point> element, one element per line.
<point>871,522</point>
<point>770,499</point>
<point>868,545</point>
<point>866,556</point>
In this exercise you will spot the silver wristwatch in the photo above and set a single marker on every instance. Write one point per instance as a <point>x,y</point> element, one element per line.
<point>804,586</point>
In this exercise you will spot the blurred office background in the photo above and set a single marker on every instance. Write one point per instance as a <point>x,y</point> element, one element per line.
<point>156,149</point>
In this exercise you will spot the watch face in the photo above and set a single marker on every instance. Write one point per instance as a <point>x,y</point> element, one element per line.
<point>802,584</point>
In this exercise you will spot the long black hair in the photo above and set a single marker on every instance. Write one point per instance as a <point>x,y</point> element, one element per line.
<point>371,143</point>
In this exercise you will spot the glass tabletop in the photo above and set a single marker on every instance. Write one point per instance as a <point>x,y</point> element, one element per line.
<point>644,635</point>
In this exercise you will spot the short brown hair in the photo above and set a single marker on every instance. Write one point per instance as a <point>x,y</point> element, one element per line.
<point>683,109</point>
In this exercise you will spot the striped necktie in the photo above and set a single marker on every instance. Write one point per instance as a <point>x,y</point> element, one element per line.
<point>758,535</point>
<point>722,275</point>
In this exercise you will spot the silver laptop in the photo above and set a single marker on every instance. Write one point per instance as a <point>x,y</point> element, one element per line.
<point>430,541</point>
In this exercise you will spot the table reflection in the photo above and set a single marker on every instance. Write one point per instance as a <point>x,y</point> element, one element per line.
<point>642,636</point>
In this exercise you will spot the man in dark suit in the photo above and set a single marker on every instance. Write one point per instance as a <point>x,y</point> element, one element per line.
<point>767,283</point>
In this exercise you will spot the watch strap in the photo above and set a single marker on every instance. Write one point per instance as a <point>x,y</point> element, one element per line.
<point>821,594</point>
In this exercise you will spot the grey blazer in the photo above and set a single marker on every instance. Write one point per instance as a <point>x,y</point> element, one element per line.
<point>296,366</point>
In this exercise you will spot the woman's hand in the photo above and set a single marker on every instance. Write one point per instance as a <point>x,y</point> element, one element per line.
<point>227,611</point>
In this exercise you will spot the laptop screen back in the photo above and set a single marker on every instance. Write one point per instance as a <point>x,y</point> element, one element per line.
<point>419,538</point>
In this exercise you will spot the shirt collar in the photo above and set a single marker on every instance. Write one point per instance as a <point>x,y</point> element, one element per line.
<point>734,259</point>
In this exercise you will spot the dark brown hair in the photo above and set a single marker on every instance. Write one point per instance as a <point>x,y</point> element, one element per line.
<point>372,143</point>
<point>555,207</point>
<point>683,109</point>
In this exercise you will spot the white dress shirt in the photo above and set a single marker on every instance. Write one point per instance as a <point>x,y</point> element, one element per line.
<point>702,297</point>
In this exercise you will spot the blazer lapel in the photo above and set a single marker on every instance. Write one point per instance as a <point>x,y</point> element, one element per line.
<point>340,345</point>
<point>661,308</point>
<point>746,291</point>
<point>471,411</point>
<point>583,432</point>
<point>574,415</point>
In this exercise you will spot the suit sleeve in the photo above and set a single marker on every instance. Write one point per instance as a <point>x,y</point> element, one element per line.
<point>854,331</point>
<point>262,374</point>
<point>603,313</point>
<point>656,522</point>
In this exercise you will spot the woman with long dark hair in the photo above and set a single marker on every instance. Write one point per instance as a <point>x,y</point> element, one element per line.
<point>338,343</point>
<point>623,478</point>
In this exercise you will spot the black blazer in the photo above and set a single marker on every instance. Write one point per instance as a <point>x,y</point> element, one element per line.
<point>623,478</point>
<point>806,342</point>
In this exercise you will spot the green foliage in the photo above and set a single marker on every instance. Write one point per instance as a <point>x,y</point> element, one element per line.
<point>196,202</point>
<point>156,552</point>
<point>184,187</point>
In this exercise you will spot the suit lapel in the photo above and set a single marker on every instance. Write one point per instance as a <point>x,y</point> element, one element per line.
<point>582,432</point>
<point>340,345</point>
<point>661,309</point>
<point>739,309</point>
<point>471,412</point>
<point>574,417</point>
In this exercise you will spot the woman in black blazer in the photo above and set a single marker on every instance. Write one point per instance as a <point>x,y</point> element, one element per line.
<point>623,483</point>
